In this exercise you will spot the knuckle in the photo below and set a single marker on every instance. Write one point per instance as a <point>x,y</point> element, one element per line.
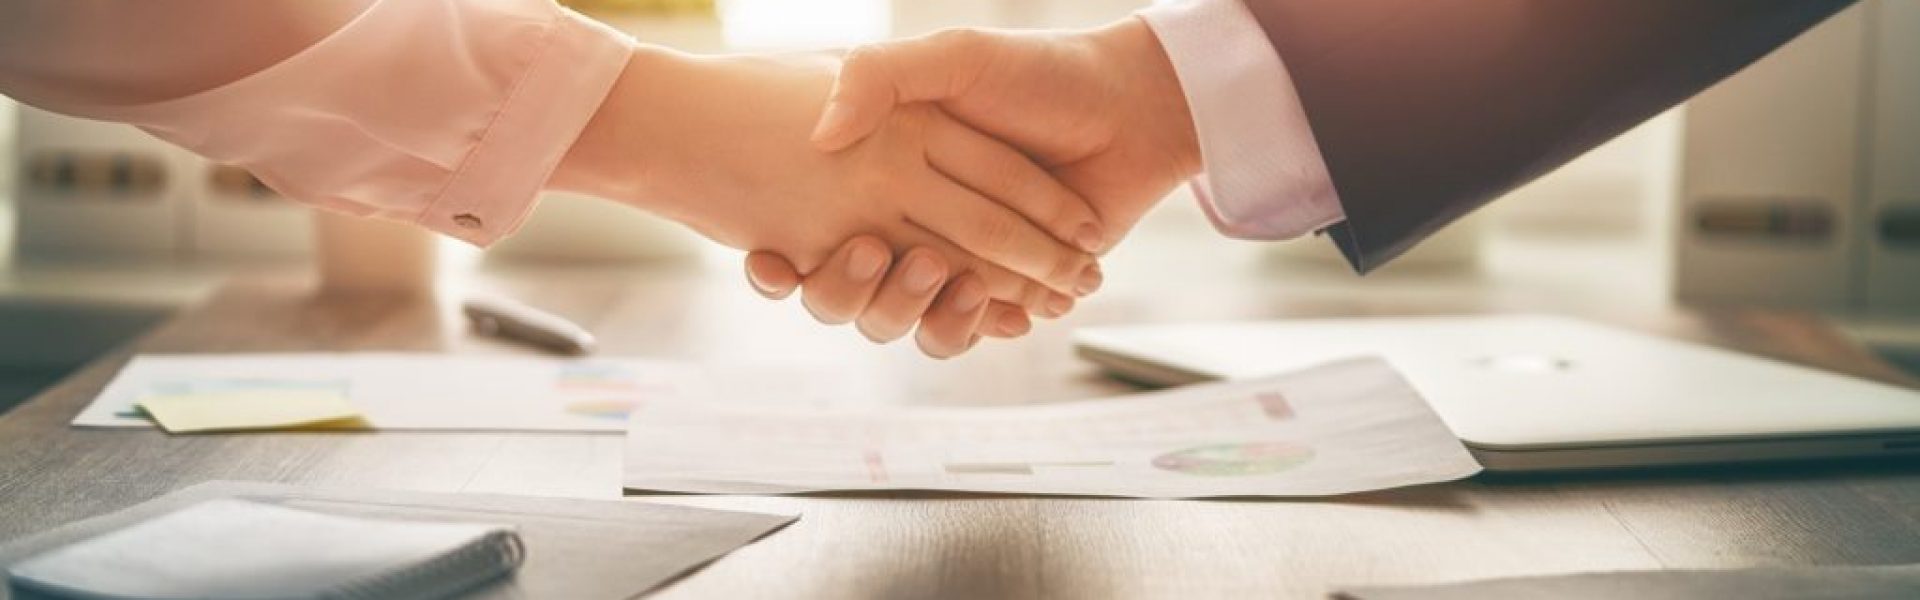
<point>1033,296</point>
<point>962,39</point>
<point>1020,184</point>
<point>1069,211</point>
<point>862,60</point>
<point>996,234</point>
<point>1008,287</point>
<point>1062,213</point>
<point>1067,267</point>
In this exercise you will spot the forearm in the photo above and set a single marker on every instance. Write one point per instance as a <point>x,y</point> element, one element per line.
<point>56,53</point>
<point>666,138</point>
<point>602,161</point>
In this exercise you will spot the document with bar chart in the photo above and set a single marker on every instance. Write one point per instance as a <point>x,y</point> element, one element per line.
<point>1339,428</point>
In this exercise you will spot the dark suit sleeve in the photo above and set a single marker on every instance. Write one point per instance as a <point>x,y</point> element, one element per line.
<point>1427,109</point>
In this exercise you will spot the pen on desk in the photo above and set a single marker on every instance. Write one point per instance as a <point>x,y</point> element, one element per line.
<point>503,318</point>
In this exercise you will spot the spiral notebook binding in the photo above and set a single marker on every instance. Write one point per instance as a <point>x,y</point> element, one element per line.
<point>495,555</point>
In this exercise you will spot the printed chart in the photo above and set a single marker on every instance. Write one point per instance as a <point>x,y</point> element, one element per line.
<point>1339,428</point>
<point>1251,458</point>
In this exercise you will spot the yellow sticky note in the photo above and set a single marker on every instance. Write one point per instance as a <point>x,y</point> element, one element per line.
<point>200,412</point>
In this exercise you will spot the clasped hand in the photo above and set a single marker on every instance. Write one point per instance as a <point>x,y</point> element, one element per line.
<point>958,182</point>
<point>1099,111</point>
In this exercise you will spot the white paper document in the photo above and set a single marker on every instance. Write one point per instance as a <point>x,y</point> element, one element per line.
<point>1339,428</point>
<point>442,392</point>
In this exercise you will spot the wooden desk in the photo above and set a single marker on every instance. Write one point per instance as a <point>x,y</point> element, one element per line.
<point>915,545</point>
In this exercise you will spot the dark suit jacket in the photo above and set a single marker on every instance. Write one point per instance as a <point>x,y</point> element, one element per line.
<point>1427,109</point>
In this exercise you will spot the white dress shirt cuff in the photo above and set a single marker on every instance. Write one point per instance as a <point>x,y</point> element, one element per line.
<point>1263,177</point>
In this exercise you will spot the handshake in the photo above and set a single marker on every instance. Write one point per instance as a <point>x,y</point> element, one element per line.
<point>960,181</point>
<point>956,183</point>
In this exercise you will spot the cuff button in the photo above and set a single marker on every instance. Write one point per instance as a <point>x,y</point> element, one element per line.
<point>467,221</point>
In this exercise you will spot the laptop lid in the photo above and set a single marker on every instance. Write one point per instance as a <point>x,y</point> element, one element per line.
<point>1526,382</point>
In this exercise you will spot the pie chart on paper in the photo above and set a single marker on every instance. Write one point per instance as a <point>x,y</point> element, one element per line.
<point>1252,458</point>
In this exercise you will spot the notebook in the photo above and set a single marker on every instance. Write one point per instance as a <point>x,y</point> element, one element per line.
<point>229,548</point>
<point>575,549</point>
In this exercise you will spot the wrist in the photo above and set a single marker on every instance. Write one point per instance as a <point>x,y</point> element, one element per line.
<point>611,158</point>
<point>594,164</point>
<point>1153,86</point>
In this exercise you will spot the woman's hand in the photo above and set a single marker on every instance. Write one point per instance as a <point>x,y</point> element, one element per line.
<point>838,293</point>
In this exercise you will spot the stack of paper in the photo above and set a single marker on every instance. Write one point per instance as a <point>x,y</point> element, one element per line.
<point>1339,428</point>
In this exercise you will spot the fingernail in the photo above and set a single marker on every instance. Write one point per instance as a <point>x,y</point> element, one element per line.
<point>757,284</point>
<point>1058,305</point>
<point>865,263</point>
<point>1011,324</point>
<point>1088,237</point>
<point>1090,279</point>
<point>922,275</point>
<point>968,297</point>
<point>765,290</point>
<point>832,118</point>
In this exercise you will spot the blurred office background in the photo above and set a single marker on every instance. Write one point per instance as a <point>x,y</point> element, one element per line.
<point>1795,184</point>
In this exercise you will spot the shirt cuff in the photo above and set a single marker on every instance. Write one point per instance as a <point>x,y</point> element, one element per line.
<point>1263,177</point>
<point>495,188</point>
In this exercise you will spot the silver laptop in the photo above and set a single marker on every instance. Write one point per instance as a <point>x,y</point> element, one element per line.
<point>1536,393</point>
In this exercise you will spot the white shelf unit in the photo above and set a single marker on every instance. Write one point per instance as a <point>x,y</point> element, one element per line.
<point>94,209</point>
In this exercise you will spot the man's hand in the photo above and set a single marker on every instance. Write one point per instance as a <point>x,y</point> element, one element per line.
<point>1101,109</point>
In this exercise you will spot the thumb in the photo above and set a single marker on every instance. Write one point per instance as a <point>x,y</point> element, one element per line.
<point>861,99</point>
<point>771,274</point>
<point>875,77</point>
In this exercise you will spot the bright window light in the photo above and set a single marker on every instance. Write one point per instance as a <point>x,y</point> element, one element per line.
<point>797,24</point>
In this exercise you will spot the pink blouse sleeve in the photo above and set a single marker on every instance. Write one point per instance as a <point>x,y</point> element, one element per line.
<point>447,113</point>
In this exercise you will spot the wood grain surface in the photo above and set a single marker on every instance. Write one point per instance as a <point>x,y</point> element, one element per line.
<point>916,545</point>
